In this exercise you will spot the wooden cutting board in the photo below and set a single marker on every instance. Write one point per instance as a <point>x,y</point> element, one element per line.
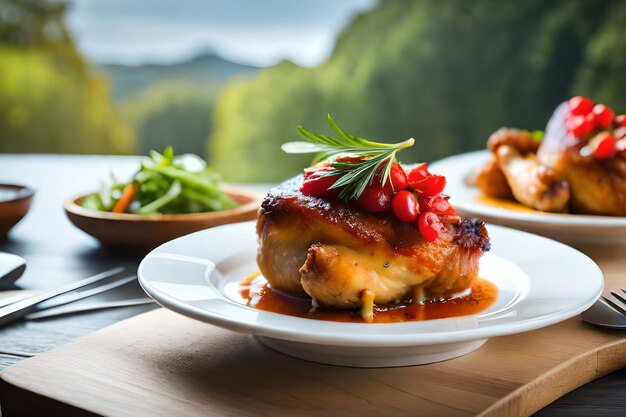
<point>163,364</point>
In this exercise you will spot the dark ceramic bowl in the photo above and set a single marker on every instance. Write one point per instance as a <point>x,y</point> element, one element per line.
<point>14,204</point>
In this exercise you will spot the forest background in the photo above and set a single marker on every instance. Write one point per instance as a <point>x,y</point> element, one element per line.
<point>444,72</point>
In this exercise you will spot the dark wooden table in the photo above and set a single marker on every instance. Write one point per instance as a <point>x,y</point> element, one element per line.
<point>56,253</point>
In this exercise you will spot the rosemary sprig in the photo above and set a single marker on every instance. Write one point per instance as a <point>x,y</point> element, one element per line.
<point>368,157</point>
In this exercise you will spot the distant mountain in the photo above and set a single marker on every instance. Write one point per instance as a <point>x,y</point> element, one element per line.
<point>208,70</point>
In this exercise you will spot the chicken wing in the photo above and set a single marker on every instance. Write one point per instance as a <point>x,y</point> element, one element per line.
<point>531,183</point>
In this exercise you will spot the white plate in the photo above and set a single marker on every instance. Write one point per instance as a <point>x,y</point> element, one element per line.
<point>569,228</point>
<point>540,281</point>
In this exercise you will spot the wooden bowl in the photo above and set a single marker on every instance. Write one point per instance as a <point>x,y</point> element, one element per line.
<point>146,232</point>
<point>14,208</point>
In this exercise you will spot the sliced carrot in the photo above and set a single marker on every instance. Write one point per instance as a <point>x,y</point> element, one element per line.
<point>127,196</point>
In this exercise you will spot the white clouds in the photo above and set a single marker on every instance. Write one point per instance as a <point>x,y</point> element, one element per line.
<point>247,31</point>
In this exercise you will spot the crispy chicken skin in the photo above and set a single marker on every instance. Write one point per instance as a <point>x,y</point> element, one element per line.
<point>491,181</point>
<point>596,186</point>
<point>558,174</point>
<point>336,253</point>
<point>531,183</point>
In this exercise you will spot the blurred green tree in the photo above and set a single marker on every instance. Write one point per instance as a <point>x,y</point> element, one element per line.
<point>447,73</point>
<point>50,98</point>
<point>171,112</point>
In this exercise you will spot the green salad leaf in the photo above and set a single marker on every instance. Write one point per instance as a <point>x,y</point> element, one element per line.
<point>163,185</point>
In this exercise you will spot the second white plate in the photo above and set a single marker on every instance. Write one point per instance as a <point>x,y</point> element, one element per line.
<point>540,281</point>
<point>568,228</point>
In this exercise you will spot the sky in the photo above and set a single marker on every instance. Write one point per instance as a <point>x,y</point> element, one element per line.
<point>253,32</point>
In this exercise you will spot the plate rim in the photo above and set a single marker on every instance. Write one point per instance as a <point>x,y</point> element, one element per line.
<point>382,339</point>
<point>537,217</point>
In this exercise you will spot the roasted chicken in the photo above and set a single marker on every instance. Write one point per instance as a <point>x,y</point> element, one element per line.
<point>597,186</point>
<point>561,173</point>
<point>531,183</point>
<point>349,258</point>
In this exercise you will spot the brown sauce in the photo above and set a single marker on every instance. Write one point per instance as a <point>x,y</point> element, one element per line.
<point>505,204</point>
<point>257,293</point>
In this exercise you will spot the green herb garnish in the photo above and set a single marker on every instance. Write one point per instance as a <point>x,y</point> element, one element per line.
<point>164,185</point>
<point>368,158</point>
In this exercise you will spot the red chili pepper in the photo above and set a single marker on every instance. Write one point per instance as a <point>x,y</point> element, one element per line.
<point>404,206</point>
<point>317,185</point>
<point>374,198</point>
<point>431,185</point>
<point>429,226</point>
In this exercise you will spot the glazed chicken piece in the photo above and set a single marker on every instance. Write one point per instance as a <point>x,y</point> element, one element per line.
<point>491,181</point>
<point>348,258</point>
<point>531,183</point>
<point>597,186</point>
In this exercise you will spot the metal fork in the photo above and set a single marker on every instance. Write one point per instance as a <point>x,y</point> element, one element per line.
<point>607,312</point>
<point>21,308</point>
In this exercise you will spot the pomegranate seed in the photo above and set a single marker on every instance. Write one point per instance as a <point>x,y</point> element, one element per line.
<point>404,206</point>
<point>431,185</point>
<point>580,125</point>
<point>397,179</point>
<point>590,123</point>
<point>603,145</point>
<point>374,198</point>
<point>580,105</point>
<point>604,115</point>
<point>429,226</point>
<point>437,204</point>
<point>418,173</point>
<point>315,184</point>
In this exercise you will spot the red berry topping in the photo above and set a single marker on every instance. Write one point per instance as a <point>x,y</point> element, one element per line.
<point>437,204</point>
<point>580,105</point>
<point>418,173</point>
<point>404,206</point>
<point>316,184</point>
<point>398,177</point>
<point>620,145</point>
<point>431,185</point>
<point>580,125</point>
<point>620,120</point>
<point>397,180</point>
<point>429,226</point>
<point>604,115</point>
<point>603,145</point>
<point>374,198</point>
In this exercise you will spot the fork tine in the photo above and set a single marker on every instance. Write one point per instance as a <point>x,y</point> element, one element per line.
<point>619,297</point>
<point>615,306</point>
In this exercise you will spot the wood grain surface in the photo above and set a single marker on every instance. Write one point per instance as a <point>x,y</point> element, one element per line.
<point>163,364</point>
